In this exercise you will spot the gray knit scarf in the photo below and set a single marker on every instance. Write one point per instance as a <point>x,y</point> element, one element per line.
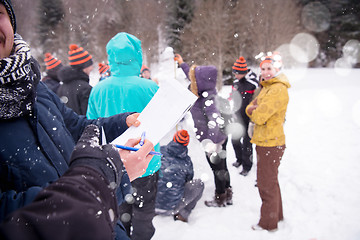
<point>17,88</point>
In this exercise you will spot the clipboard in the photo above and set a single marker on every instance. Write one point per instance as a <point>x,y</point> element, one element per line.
<point>167,107</point>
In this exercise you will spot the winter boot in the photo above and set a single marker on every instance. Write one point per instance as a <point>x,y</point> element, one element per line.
<point>179,217</point>
<point>236,164</point>
<point>218,201</point>
<point>229,194</point>
<point>244,172</point>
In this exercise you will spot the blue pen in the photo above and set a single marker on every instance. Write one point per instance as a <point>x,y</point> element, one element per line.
<point>142,139</point>
<point>135,149</point>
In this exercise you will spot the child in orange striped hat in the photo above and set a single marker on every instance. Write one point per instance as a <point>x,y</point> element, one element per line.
<point>182,137</point>
<point>243,89</point>
<point>178,191</point>
<point>75,88</point>
<point>53,65</point>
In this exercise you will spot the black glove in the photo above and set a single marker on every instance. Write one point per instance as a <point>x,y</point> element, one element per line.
<point>105,159</point>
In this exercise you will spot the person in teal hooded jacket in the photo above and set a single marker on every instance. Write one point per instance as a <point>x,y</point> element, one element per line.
<point>125,91</point>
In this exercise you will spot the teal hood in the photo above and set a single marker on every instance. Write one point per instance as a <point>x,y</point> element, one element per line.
<point>129,62</point>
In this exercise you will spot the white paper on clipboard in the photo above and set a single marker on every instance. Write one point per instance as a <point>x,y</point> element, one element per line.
<point>168,106</point>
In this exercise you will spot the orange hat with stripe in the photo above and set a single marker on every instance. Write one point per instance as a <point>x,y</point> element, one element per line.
<point>240,66</point>
<point>103,68</point>
<point>78,57</point>
<point>268,59</point>
<point>182,137</point>
<point>144,68</point>
<point>52,62</point>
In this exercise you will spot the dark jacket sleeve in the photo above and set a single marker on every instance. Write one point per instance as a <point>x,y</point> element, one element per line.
<point>79,205</point>
<point>11,200</point>
<point>186,68</point>
<point>113,126</point>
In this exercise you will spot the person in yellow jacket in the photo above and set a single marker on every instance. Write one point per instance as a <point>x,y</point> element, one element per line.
<point>268,111</point>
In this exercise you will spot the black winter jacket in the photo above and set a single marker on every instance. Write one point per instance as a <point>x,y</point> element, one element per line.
<point>67,209</point>
<point>177,169</point>
<point>74,89</point>
<point>52,80</point>
<point>242,92</point>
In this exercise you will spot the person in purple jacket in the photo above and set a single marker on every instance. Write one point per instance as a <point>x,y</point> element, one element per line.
<point>208,127</point>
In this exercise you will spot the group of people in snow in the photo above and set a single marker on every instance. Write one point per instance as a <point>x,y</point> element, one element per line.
<point>59,174</point>
<point>261,113</point>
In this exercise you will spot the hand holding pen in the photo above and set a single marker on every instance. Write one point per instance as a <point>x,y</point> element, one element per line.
<point>141,142</point>
<point>136,160</point>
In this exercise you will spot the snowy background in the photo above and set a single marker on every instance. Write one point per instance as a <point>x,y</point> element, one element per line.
<point>319,173</point>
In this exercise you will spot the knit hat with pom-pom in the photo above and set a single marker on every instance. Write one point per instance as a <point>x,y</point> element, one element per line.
<point>78,57</point>
<point>182,137</point>
<point>103,68</point>
<point>240,66</point>
<point>52,62</point>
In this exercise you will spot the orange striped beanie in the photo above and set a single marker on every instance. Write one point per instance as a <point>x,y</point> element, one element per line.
<point>78,57</point>
<point>51,62</point>
<point>267,59</point>
<point>144,68</point>
<point>103,68</point>
<point>182,137</point>
<point>240,66</point>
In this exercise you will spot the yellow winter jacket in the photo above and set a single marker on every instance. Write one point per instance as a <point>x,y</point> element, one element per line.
<point>269,116</point>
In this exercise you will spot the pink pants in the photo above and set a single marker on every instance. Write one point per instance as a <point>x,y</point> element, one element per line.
<point>268,162</point>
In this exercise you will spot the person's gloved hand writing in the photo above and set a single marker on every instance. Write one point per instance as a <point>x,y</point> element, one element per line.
<point>178,58</point>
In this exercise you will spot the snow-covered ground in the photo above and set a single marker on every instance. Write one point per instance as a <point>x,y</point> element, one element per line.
<point>319,174</point>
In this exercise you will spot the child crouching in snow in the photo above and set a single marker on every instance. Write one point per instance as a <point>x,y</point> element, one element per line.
<point>178,192</point>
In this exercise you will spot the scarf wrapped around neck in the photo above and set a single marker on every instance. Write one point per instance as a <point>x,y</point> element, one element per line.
<point>17,81</point>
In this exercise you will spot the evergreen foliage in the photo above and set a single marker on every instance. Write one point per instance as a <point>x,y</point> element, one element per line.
<point>51,13</point>
<point>344,25</point>
<point>180,14</point>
